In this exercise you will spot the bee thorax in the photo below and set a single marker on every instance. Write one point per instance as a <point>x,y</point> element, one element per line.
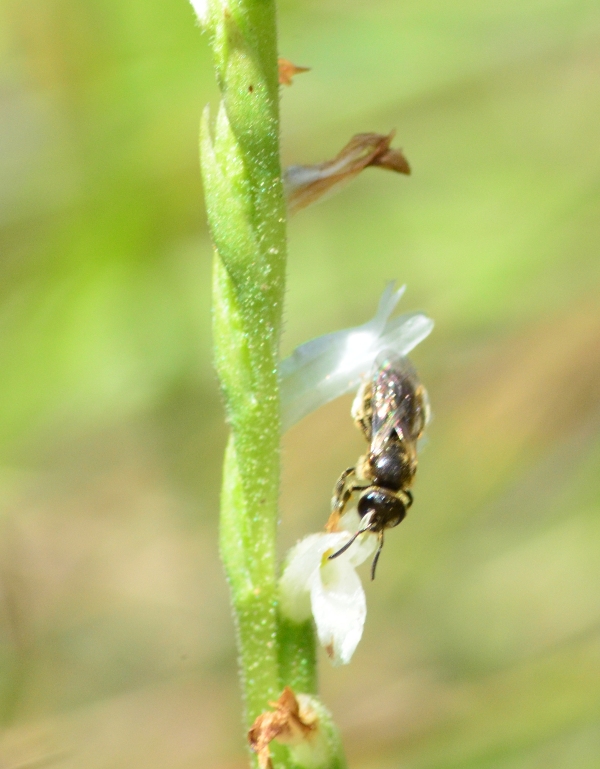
<point>390,469</point>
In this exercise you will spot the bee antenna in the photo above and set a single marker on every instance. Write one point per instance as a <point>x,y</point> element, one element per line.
<point>377,554</point>
<point>348,543</point>
<point>344,547</point>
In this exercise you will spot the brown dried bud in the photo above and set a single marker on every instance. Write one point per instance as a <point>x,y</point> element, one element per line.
<point>306,184</point>
<point>287,70</point>
<point>289,723</point>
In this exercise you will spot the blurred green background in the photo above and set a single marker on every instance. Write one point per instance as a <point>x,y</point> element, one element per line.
<point>482,645</point>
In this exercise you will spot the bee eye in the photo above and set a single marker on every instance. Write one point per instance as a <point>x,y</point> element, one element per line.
<point>368,503</point>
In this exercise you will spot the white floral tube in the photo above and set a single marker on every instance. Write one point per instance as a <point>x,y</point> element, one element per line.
<point>332,365</point>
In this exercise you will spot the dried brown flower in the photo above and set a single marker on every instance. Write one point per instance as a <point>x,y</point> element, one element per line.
<point>306,184</point>
<point>287,70</point>
<point>289,723</point>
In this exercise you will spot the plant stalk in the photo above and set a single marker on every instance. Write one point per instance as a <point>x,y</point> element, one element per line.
<point>246,212</point>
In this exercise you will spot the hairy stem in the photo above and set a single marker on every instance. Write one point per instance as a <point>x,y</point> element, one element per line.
<point>297,655</point>
<point>246,211</point>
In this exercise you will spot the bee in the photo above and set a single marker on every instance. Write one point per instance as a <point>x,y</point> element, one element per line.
<point>391,409</point>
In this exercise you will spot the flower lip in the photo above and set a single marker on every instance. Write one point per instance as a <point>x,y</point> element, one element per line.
<point>302,566</point>
<point>329,589</point>
<point>324,368</point>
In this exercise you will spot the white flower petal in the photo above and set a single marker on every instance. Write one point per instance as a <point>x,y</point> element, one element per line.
<point>303,562</point>
<point>361,548</point>
<point>330,589</point>
<point>339,608</point>
<point>333,365</point>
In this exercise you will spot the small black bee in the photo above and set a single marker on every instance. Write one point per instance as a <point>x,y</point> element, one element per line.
<point>391,409</point>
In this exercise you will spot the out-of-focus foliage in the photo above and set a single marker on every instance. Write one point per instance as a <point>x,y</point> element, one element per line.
<point>482,646</point>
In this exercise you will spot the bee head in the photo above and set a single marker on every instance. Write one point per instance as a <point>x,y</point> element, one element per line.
<point>379,509</point>
<point>386,510</point>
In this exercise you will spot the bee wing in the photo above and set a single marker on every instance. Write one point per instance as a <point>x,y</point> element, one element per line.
<point>399,402</point>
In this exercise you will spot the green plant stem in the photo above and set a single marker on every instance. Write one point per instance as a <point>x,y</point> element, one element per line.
<point>297,655</point>
<point>246,211</point>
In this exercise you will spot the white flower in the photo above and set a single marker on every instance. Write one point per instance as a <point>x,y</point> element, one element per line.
<point>330,590</point>
<point>333,365</point>
<point>201,8</point>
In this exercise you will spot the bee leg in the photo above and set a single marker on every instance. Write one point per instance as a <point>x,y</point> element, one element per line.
<point>340,492</point>
<point>410,498</point>
<point>334,518</point>
<point>341,495</point>
<point>377,554</point>
<point>365,425</point>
